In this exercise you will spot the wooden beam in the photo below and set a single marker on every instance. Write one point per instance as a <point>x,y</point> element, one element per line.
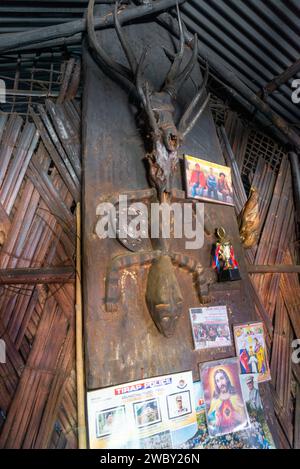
<point>64,274</point>
<point>25,38</point>
<point>273,269</point>
<point>280,79</point>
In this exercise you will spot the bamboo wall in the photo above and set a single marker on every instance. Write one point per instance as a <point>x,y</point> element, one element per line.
<point>39,186</point>
<point>263,163</point>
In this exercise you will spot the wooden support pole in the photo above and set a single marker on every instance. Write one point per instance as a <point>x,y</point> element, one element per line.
<point>39,35</point>
<point>273,269</point>
<point>64,274</point>
<point>82,439</point>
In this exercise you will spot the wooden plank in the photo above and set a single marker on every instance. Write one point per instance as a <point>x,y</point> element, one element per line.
<point>8,142</point>
<point>277,269</point>
<point>68,132</point>
<point>58,155</point>
<point>63,274</point>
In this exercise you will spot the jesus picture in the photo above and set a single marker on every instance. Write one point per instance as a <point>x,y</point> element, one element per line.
<point>225,407</point>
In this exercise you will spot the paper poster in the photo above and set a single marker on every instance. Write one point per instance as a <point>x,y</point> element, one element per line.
<point>208,181</point>
<point>210,327</point>
<point>259,433</point>
<point>251,350</point>
<point>157,413</point>
<point>257,436</point>
<point>225,407</point>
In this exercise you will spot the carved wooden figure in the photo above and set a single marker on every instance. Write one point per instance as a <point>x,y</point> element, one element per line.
<point>249,220</point>
<point>163,295</point>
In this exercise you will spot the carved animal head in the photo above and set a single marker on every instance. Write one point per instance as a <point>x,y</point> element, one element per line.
<point>158,105</point>
<point>163,296</point>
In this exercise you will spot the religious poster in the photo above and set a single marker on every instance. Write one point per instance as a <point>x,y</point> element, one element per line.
<point>251,350</point>
<point>208,181</point>
<point>152,413</point>
<point>210,327</point>
<point>225,407</point>
<point>257,436</point>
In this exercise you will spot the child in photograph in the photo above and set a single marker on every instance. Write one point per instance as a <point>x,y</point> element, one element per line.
<point>198,180</point>
<point>223,186</point>
<point>212,334</point>
<point>212,184</point>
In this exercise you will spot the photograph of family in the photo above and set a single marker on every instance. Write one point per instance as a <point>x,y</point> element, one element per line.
<point>208,181</point>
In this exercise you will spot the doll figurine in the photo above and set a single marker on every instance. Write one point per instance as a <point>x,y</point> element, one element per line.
<point>224,261</point>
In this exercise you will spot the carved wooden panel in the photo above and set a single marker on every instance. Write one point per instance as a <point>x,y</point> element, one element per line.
<point>125,345</point>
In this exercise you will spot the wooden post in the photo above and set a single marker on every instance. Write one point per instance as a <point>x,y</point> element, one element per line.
<point>82,440</point>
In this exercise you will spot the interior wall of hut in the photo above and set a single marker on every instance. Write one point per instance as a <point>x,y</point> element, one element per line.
<point>74,118</point>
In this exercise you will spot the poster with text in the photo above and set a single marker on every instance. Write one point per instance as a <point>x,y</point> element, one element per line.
<point>251,350</point>
<point>153,413</point>
<point>210,327</point>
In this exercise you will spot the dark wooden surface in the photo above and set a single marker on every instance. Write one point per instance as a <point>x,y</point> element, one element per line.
<point>125,345</point>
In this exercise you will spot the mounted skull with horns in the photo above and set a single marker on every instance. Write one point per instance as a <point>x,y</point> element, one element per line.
<point>159,106</point>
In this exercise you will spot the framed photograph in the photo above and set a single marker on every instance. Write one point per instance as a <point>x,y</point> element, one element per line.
<point>225,407</point>
<point>108,421</point>
<point>179,404</point>
<point>208,181</point>
<point>147,412</point>
<point>251,350</point>
<point>210,327</point>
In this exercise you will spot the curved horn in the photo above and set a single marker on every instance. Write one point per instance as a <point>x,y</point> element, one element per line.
<point>126,46</point>
<point>99,52</point>
<point>183,76</point>
<point>183,127</point>
<point>173,72</point>
<point>174,86</point>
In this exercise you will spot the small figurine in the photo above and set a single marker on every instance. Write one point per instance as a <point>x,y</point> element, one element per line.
<point>224,261</point>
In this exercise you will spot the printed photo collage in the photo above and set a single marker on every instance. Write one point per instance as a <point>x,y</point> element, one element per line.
<point>229,384</point>
<point>156,412</point>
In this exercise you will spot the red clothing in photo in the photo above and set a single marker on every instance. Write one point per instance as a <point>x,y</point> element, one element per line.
<point>198,177</point>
